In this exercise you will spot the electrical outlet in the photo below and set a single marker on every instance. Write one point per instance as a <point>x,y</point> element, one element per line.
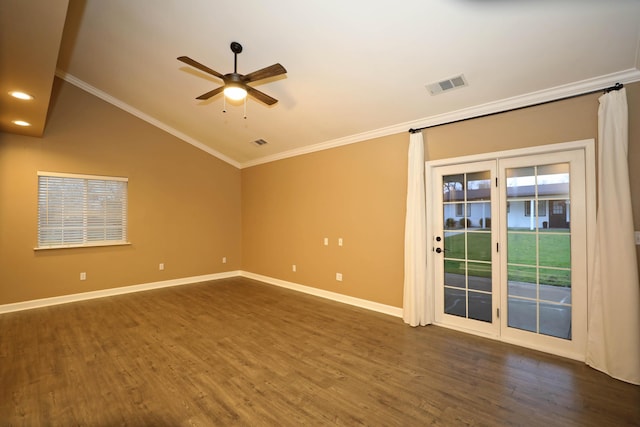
<point>224,259</point>
<point>339,241</point>
<point>83,276</point>
<point>293,268</point>
<point>326,241</point>
<point>161,266</point>
<point>339,277</point>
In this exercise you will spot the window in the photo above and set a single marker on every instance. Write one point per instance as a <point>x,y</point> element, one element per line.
<point>558,208</point>
<point>542,208</point>
<point>81,210</point>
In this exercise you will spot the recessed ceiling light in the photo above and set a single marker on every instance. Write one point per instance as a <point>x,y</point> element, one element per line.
<point>21,95</point>
<point>20,123</point>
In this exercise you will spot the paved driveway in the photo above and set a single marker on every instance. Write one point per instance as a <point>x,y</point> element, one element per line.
<point>554,314</point>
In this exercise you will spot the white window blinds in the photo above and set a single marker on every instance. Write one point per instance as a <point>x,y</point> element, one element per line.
<point>81,210</point>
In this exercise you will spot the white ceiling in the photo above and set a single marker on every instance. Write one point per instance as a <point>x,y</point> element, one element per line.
<point>356,69</point>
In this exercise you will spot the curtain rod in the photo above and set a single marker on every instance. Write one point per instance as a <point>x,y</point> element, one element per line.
<point>617,86</point>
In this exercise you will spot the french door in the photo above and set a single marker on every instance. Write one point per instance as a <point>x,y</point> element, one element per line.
<point>467,282</point>
<point>509,249</point>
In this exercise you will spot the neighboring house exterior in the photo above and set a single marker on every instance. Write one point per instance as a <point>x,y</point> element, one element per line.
<point>554,207</point>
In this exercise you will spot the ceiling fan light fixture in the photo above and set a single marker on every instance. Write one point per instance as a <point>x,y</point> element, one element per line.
<point>235,92</point>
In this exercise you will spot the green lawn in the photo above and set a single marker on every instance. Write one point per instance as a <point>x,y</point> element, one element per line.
<point>552,250</point>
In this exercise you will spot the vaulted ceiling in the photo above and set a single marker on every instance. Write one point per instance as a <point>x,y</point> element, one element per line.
<point>355,70</point>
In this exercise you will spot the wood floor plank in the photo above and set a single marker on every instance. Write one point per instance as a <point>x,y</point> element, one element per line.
<point>238,352</point>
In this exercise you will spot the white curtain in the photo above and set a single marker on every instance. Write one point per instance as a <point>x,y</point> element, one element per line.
<point>613,344</point>
<point>415,307</point>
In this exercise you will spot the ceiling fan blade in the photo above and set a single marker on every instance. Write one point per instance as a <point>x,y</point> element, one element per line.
<point>270,71</point>
<point>211,93</point>
<point>199,66</point>
<point>261,96</point>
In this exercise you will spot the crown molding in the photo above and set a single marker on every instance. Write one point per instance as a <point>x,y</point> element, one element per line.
<point>520,101</point>
<point>147,118</point>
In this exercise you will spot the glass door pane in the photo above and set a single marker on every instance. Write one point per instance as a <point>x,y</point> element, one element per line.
<point>539,249</point>
<point>466,213</point>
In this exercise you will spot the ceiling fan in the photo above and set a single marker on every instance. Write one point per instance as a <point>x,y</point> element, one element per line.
<point>236,85</point>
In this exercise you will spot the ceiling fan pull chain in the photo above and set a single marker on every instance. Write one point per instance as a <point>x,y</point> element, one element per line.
<point>224,104</point>
<point>245,108</point>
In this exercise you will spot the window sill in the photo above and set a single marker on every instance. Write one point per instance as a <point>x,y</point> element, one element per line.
<point>91,245</point>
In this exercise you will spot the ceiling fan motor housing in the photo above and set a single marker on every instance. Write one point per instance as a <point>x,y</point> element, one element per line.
<point>233,78</point>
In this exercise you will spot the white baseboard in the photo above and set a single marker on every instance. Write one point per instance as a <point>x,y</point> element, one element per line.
<point>44,302</point>
<point>64,299</point>
<point>334,296</point>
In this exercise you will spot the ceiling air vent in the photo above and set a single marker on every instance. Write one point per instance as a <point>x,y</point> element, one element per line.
<point>447,85</point>
<point>259,142</point>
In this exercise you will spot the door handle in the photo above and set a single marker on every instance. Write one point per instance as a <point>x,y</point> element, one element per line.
<point>440,250</point>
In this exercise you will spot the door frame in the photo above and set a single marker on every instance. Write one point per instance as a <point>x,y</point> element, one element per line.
<point>588,146</point>
<point>476,326</point>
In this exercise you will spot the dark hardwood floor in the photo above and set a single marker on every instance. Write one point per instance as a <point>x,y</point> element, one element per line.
<point>237,352</point>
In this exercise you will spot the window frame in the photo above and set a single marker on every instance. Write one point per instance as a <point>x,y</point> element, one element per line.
<point>87,214</point>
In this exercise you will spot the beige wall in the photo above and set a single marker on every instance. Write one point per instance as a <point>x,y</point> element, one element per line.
<point>188,209</point>
<point>184,204</point>
<point>562,121</point>
<point>357,192</point>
